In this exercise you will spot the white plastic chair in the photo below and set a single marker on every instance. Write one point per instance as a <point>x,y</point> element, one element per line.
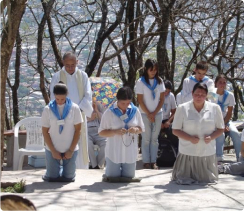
<point>34,140</point>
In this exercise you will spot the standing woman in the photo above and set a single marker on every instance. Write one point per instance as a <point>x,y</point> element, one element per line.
<point>150,96</point>
<point>197,123</point>
<point>226,101</point>
<point>121,124</point>
<point>61,127</point>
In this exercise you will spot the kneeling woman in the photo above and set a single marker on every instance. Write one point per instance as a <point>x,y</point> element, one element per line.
<point>197,124</point>
<point>121,123</point>
<point>61,126</point>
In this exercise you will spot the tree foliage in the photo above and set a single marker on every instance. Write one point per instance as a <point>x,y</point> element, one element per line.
<point>115,37</point>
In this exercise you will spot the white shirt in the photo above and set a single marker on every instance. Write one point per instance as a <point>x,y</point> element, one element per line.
<point>199,124</point>
<point>62,141</point>
<point>242,136</point>
<point>150,103</point>
<point>230,101</point>
<point>86,103</point>
<point>169,104</point>
<point>121,149</point>
<point>178,98</point>
<point>186,92</point>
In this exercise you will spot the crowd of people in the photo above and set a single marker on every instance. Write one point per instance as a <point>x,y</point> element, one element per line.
<point>80,133</point>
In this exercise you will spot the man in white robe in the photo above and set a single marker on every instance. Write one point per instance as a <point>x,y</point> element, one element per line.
<point>79,91</point>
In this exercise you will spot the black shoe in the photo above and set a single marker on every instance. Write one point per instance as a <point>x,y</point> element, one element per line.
<point>96,167</point>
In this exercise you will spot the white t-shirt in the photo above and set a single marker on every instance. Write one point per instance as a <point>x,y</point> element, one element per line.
<point>169,104</point>
<point>62,141</point>
<point>199,124</point>
<point>121,149</point>
<point>150,103</point>
<point>188,84</point>
<point>230,101</point>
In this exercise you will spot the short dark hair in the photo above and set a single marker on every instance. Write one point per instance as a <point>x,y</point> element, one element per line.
<point>124,93</point>
<point>200,85</point>
<point>202,65</point>
<point>69,54</point>
<point>60,89</point>
<point>219,77</point>
<point>168,84</point>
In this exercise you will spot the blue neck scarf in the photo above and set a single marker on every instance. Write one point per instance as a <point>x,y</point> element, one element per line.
<point>222,104</point>
<point>130,112</point>
<point>54,108</point>
<point>194,79</point>
<point>155,83</point>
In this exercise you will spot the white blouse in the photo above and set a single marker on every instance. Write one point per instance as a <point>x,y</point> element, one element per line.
<point>199,124</point>
<point>62,141</point>
<point>151,104</point>
<point>230,101</point>
<point>121,149</point>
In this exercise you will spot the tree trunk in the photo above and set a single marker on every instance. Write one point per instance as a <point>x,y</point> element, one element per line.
<point>162,54</point>
<point>47,6</point>
<point>15,87</point>
<point>103,34</point>
<point>56,51</point>
<point>132,54</point>
<point>7,43</point>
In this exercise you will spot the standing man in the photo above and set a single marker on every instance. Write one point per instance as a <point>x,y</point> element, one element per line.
<point>79,91</point>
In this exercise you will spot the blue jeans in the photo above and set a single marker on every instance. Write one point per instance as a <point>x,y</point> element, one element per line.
<point>119,169</point>
<point>55,169</point>
<point>149,144</point>
<point>235,137</point>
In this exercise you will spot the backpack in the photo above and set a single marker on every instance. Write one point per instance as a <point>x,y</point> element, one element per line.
<point>167,153</point>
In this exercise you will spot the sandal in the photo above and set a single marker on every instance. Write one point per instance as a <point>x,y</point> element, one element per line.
<point>154,166</point>
<point>146,166</point>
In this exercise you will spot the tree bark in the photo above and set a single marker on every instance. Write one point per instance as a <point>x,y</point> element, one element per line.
<point>47,6</point>
<point>162,54</point>
<point>15,86</point>
<point>7,44</point>
<point>56,51</point>
<point>103,34</point>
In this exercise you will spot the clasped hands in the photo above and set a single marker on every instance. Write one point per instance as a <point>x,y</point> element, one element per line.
<point>122,131</point>
<point>195,139</point>
<point>151,117</point>
<point>64,156</point>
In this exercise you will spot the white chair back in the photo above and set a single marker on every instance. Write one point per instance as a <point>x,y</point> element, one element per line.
<point>34,137</point>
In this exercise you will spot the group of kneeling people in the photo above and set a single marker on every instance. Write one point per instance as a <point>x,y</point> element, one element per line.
<point>199,124</point>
